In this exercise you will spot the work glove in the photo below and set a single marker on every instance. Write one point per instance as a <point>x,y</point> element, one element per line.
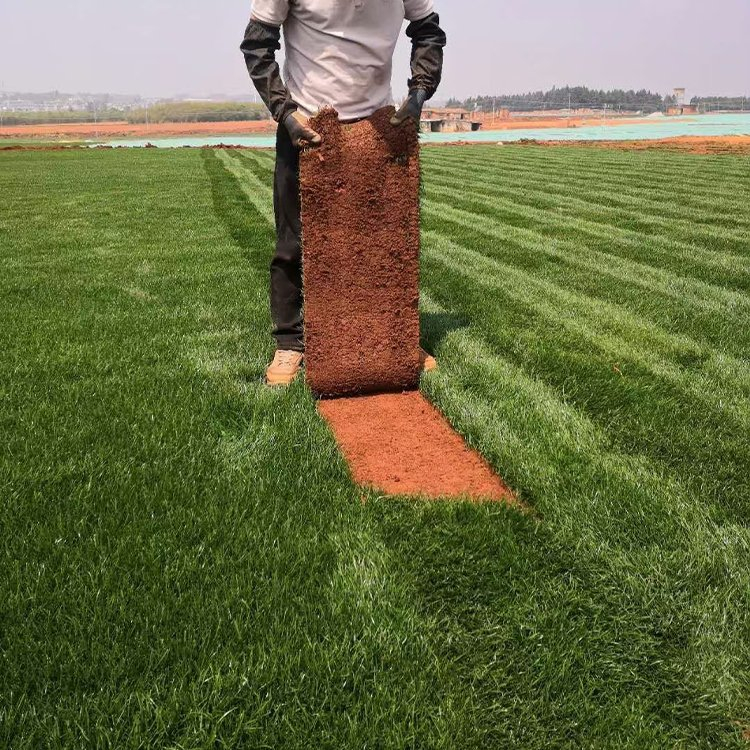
<point>411,108</point>
<point>300,131</point>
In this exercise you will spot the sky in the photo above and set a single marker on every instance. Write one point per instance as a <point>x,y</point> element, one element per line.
<point>170,47</point>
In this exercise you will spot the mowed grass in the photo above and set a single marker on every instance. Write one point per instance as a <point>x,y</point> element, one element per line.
<point>185,562</point>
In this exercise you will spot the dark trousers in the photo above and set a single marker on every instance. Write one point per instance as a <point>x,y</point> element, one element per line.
<point>286,266</point>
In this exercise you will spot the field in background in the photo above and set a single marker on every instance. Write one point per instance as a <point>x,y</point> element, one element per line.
<point>185,561</point>
<point>522,126</point>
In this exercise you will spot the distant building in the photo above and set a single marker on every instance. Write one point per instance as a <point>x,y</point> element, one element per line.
<point>682,109</point>
<point>448,120</point>
<point>679,107</point>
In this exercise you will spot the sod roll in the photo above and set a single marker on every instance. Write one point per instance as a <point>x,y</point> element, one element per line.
<point>360,227</point>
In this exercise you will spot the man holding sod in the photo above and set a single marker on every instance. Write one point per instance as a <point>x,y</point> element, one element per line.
<point>339,53</point>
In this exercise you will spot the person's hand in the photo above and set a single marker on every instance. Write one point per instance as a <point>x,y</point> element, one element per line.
<point>300,131</point>
<point>411,109</point>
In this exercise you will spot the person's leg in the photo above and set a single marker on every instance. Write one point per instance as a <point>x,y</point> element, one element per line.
<point>286,266</point>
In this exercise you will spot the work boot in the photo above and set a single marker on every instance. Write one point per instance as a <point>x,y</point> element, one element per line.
<point>429,363</point>
<point>284,368</point>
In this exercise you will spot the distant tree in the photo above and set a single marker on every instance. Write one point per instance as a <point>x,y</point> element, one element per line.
<point>738,103</point>
<point>577,97</point>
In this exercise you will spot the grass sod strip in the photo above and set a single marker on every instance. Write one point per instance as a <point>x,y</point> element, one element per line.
<point>360,236</point>
<point>616,618</point>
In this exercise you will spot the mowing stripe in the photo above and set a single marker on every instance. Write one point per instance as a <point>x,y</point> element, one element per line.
<point>528,431</point>
<point>257,192</point>
<point>727,242</point>
<point>701,293</point>
<point>613,330</point>
<point>605,190</point>
<point>617,210</point>
<point>627,398</point>
<point>590,167</point>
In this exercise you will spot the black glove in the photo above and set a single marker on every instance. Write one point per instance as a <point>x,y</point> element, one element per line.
<point>300,131</point>
<point>411,108</point>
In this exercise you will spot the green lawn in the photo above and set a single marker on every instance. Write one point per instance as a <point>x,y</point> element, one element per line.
<point>185,562</point>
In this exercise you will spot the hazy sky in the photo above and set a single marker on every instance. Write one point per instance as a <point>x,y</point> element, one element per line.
<point>165,47</point>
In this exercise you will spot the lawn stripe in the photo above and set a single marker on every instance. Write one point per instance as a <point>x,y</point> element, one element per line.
<point>188,564</point>
<point>613,506</point>
<point>630,391</point>
<point>256,190</point>
<point>526,245</point>
<point>262,166</point>
<point>628,185</point>
<point>617,207</point>
<point>647,168</point>
<point>612,328</point>
<point>556,222</point>
<point>604,188</point>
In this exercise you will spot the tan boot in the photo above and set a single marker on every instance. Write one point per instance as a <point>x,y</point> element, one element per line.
<point>429,363</point>
<point>284,368</point>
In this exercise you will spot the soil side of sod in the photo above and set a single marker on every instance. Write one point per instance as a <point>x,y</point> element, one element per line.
<point>360,226</point>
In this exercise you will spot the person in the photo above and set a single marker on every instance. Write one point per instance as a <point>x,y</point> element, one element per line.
<point>339,53</point>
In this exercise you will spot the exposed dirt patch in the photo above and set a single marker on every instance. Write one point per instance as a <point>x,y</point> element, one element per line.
<point>726,144</point>
<point>400,444</point>
<point>524,120</point>
<point>718,144</point>
<point>93,131</point>
<point>360,219</point>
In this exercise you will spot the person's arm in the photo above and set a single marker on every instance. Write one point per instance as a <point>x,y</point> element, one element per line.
<point>427,43</point>
<point>262,41</point>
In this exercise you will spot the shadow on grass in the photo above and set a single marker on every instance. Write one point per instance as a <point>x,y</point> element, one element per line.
<point>435,326</point>
<point>250,231</point>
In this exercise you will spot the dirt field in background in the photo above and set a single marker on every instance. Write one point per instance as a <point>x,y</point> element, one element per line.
<point>91,131</point>
<point>693,144</point>
<point>554,121</point>
<point>731,144</point>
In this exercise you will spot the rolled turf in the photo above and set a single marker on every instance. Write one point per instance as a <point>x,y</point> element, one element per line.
<point>360,225</point>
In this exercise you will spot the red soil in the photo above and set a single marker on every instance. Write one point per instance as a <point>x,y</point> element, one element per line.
<point>91,131</point>
<point>712,144</point>
<point>727,144</point>
<point>400,444</point>
<point>522,122</point>
<point>360,227</point>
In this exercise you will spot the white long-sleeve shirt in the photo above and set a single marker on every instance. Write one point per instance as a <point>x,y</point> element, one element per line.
<point>340,52</point>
